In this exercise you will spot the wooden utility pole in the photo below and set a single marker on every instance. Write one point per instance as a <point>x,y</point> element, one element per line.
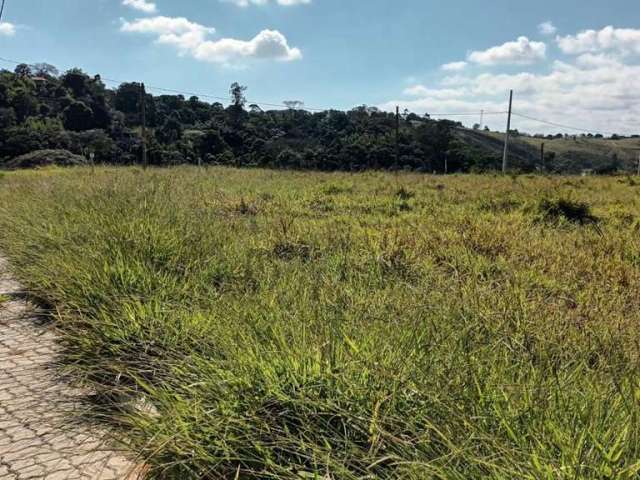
<point>1,10</point>
<point>397,137</point>
<point>505,155</point>
<point>639,164</point>
<point>143,120</point>
<point>542,156</point>
<point>481,119</point>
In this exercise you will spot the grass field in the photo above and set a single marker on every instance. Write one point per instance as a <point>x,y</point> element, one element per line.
<point>281,325</point>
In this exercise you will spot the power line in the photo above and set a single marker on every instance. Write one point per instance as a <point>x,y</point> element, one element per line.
<point>559,125</point>
<point>182,92</point>
<point>316,109</point>
<point>466,114</point>
<point>266,104</point>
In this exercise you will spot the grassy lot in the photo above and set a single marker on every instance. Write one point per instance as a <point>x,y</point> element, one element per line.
<point>283,325</point>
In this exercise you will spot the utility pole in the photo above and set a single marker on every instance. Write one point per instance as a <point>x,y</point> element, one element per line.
<point>397,137</point>
<point>542,156</point>
<point>143,118</point>
<point>639,164</point>
<point>1,10</point>
<point>481,119</point>
<point>505,156</point>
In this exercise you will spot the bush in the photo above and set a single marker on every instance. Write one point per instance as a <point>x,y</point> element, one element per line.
<point>564,209</point>
<point>43,158</point>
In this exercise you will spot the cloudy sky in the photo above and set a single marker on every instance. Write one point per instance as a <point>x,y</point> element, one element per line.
<point>571,62</point>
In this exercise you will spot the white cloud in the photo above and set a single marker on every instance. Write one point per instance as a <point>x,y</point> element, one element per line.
<point>623,40</point>
<point>547,28</point>
<point>268,44</point>
<point>521,52</point>
<point>176,31</point>
<point>454,66</point>
<point>285,3</point>
<point>599,92</point>
<point>141,5</point>
<point>422,91</point>
<point>7,29</point>
<point>592,60</point>
<point>191,38</point>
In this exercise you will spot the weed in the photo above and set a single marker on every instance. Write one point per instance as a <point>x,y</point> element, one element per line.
<point>290,251</point>
<point>554,210</point>
<point>321,205</point>
<point>503,204</point>
<point>360,344</point>
<point>628,180</point>
<point>337,189</point>
<point>245,208</point>
<point>403,194</point>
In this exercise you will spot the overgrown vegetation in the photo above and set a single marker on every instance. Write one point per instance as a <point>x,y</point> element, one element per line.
<point>294,326</point>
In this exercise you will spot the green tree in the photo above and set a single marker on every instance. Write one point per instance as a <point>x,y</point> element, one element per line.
<point>23,70</point>
<point>127,101</point>
<point>211,143</point>
<point>24,104</point>
<point>76,81</point>
<point>7,118</point>
<point>45,70</point>
<point>171,131</point>
<point>77,117</point>
<point>238,101</point>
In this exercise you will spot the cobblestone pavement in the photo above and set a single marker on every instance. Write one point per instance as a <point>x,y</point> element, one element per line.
<point>37,441</point>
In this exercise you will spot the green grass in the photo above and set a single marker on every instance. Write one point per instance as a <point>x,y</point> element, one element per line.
<point>284,325</point>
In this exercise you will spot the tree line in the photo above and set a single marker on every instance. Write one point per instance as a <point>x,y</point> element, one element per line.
<point>42,109</point>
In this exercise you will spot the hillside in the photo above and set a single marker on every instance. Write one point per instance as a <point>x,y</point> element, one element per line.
<point>521,155</point>
<point>41,110</point>
<point>569,155</point>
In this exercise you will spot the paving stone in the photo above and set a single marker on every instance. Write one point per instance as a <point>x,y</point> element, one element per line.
<point>36,439</point>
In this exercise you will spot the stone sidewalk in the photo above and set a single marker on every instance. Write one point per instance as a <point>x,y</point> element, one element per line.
<point>37,441</point>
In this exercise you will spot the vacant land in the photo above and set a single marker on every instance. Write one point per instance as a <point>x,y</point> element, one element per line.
<point>257,324</point>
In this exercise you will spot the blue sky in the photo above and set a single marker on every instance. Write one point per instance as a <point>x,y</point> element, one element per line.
<point>582,68</point>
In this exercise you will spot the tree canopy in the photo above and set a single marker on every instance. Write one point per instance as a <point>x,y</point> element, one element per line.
<point>41,109</point>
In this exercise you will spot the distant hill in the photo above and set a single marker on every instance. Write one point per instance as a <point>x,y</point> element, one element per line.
<point>575,153</point>
<point>562,155</point>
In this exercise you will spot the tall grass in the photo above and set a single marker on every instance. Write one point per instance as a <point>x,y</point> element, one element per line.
<point>263,325</point>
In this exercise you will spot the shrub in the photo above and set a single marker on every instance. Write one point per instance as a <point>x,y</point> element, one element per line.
<point>43,158</point>
<point>564,209</point>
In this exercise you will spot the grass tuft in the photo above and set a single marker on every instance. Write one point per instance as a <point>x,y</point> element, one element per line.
<point>403,194</point>
<point>555,210</point>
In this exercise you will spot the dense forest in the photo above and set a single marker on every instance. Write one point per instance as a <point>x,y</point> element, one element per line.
<point>73,117</point>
